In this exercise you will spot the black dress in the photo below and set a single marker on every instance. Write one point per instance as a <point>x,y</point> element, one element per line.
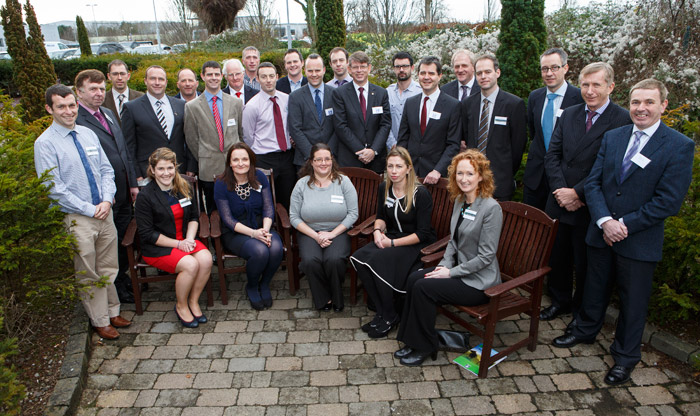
<point>392,265</point>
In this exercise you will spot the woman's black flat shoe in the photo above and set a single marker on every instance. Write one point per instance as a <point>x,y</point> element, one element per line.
<point>383,329</point>
<point>201,319</point>
<point>371,324</point>
<point>416,358</point>
<point>191,324</point>
<point>403,352</point>
<point>327,307</point>
<point>338,308</point>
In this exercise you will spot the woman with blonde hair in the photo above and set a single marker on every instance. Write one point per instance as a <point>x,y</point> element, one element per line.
<point>401,230</point>
<point>167,224</point>
<point>469,265</point>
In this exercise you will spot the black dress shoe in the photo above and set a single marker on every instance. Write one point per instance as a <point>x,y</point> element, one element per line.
<point>571,326</point>
<point>338,308</point>
<point>569,340</point>
<point>383,328</point>
<point>327,307</point>
<point>553,311</point>
<point>371,324</point>
<point>403,352</point>
<point>617,375</point>
<point>191,324</point>
<point>416,358</point>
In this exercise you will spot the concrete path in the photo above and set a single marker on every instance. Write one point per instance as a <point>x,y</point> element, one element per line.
<point>292,360</point>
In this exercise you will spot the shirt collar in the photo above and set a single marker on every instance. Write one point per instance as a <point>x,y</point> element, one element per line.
<point>561,91</point>
<point>219,95</point>
<point>469,83</point>
<point>320,88</point>
<point>649,131</point>
<point>602,107</point>
<point>115,93</point>
<point>63,131</point>
<point>432,97</point>
<point>153,99</point>
<point>80,103</point>
<point>492,97</point>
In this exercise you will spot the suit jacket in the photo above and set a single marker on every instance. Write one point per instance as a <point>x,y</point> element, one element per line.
<point>143,134</point>
<point>284,85</point>
<point>304,127</point>
<point>572,153</point>
<point>477,262</point>
<point>202,137</point>
<point>534,168</point>
<point>435,148</point>
<point>355,133</point>
<point>179,95</point>
<point>646,196</point>
<point>452,89</point>
<point>506,143</point>
<point>248,92</point>
<point>109,101</point>
<point>155,217</point>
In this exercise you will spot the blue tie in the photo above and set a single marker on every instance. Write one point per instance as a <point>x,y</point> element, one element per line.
<point>548,120</point>
<point>319,106</point>
<point>634,149</point>
<point>88,171</point>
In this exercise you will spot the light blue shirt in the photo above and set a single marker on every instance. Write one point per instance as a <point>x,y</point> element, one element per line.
<point>397,102</point>
<point>560,92</point>
<point>320,92</point>
<point>293,86</point>
<point>55,149</point>
<point>219,103</point>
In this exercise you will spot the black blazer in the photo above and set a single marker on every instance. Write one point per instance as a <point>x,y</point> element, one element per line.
<point>452,89</point>
<point>109,101</point>
<point>303,125</point>
<point>155,217</point>
<point>248,92</point>
<point>506,144</point>
<point>434,149</point>
<point>354,133</point>
<point>572,153</point>
<point>115,147</point>
<point>284,86</point>
<point>143,134</point>
<point>534,168</point>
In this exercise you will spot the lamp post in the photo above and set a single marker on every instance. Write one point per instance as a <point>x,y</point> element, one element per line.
<point>157,30</point>
<point>289,29</point>
<point>94,21</point>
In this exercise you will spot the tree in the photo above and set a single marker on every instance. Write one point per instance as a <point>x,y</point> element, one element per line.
<point>43,73</point>
<point>491,12</point>
<point>384,20</point>
<point>259,25</point>
<point>83,39</point>
<point>309,7</point>
<point>522,39</point>
<point>217,15</point>
<point>331,28</point>
<point>178,28</point>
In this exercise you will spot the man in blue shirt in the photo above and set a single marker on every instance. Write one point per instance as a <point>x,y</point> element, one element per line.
<point>399,92</point>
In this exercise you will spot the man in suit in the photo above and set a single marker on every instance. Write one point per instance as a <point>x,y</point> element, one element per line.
<point>251,59</point>
<point>362,118</point>
<point>233,71</point>
<point>310,117</point>
<point>83,188</point>
<point>187,85</point>
<point>339,63</point>
<point>494,122</point>
<point>293,64</point>
<point>463,67</point>
<point>639,179</point>
<point>431,126</point>
<point>213,123</point>
<point>90,87</point>
<point>265,131</point>
<point>155,120</point>
<point>544,106</point>
<point>120,93</point>
<point>572,151</point>
<point>399,92</point>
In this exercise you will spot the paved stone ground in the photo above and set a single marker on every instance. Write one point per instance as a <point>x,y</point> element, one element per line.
<point>292,360</point>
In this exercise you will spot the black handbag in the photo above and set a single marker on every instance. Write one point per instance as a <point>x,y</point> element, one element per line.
<point>454,341</point>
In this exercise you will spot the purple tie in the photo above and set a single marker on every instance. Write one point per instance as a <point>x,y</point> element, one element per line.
<point>627,161</point>
<point>589,119</point>
<point>98,115</point>
<point>465,93</point>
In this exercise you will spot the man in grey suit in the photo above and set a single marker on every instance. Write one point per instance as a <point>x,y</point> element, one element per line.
<point>120,93</point>
<point>362,118</point>
<point>213,123</point>
<point>90,87</point>
<point>310,112</point>
<point>639,179</point>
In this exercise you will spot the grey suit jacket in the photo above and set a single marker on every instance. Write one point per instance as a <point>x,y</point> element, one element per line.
<point>477,264</point>
<point>304,127</point>
<point>109,101</point>
<point>202,137</point>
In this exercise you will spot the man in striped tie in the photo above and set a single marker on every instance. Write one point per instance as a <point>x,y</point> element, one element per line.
<point>120,93</point>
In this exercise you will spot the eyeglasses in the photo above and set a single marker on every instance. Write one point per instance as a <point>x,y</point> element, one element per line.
<point>359,67</point>
<point>400,67</point>
<point>553,68</point>
<point>325,160</point>
<point>118,74</point>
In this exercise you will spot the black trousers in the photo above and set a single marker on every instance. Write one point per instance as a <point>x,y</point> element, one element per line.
<point>537,197</point>
<point>417,328</point>
<point>122,217</point>
<point>568,259</point>
<point>208,204</point>
<point>325,268</point>
<point>633,279</point>
<point>282,164</point>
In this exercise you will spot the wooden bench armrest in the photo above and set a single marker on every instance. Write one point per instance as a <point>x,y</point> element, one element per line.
<point>203,227</point>
<point>431,259</point>
<point>517,282</point>
<point>130,234</point>
<point>359,228</point>
<point>283,216</point>
<point>436,246</point>
<point>215,225</point>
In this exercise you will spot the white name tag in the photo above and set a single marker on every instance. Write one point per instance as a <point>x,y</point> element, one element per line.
<point>560,112</point>
<point>184,202</point>
<point>231,122</point>
<point>500,120</point>
<point>466,216</point>
<point>378,110</point>
<point>470,212</point>
<point>337,199</point>
<point>435,115</point>
<point>329,111</point>
<point>91,151</point>
<point>143,182</point>
<point>641,160</point>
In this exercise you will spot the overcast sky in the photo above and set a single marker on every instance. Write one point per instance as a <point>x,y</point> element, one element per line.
<point>49,11</point>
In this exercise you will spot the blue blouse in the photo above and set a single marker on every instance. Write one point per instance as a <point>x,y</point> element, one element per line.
<point>251,211</point>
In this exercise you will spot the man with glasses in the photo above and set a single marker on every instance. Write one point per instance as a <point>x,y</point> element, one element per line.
<point>233,71</point>
<point>544,107</point>
<point>362,118</point>
<point>399,92</point>
<point>120,93</point>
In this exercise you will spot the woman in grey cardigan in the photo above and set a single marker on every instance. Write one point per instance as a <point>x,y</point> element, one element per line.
<point>469,265</point>
<point>322,208</point>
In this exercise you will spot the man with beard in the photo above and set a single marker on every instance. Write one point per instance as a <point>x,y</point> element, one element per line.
<point>399,92</point>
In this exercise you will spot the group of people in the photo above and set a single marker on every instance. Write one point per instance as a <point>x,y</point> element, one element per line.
<point>610,184</point>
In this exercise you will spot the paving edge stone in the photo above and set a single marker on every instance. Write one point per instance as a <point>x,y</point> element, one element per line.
<point>65,397</point>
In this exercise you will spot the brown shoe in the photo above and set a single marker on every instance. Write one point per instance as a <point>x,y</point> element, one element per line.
<point>106,332</point>
<point>119,322</point>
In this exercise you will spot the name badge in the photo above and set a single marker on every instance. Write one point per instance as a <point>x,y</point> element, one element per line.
<point>329,111</point>
<point>641,160</point>
<point>143,182</point>
<point>390,202</point>
<point>231,122</point>
<point>378,110</point>
<point>560,112</point>
<point>435,115</point>
<point>337,199</point>
<point>466,216</point>
<point>258,189</point>
<point>91,151</point>
<point>184,202</point>
<point>500,120</point>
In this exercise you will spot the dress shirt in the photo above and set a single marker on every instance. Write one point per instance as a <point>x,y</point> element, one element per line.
<point>55,148</point>
<point>219,103</point>
<point>259,123</point>
<point>492,102</point>
<point>95,114</point>
<point>335,82</point>
<point>469,85</point>
<point>598,111</point>
<point>430,104</point>
<point>293,86</point>
<point>364,92</point>
<point>252,83</point>
<point>557,102</point>
<point>320,89</point>
<point>396,103</point>
<point>167,111</point>
<point>115,94</point>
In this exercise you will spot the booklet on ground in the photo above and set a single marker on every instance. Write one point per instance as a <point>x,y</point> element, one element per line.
<point>471,359</point>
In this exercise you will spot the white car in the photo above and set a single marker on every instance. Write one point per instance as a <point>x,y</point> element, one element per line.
<point>151,50</point>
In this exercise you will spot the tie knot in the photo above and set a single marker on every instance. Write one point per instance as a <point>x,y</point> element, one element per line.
<point>273,99</point>
<point>121,96</point>
<point>73,134</point>
<point>361,89</point>
<point>638,134</point>
<point>591,114</point>
<point>159,103</point>
<point>486,101</point>
<point>552,96</point>
<point>214,98</point>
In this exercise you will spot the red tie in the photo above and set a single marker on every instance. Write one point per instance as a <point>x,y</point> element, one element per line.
<point>363,103</point>
<point>217,120</point>
<point>424,116</point>
<point>238,94</point>
<point>279,126</point>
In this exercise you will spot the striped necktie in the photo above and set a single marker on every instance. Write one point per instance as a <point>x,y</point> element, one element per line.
<point>161,116</point>
<point>483,137</point>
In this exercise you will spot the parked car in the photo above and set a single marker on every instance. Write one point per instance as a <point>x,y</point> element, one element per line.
<point>106,48</point>
<point>5,55</point>
<point>152,49</point>
<point>131,44</point>
<point>71,54</point>
<point>64,53</point>
<point>55,46</point>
